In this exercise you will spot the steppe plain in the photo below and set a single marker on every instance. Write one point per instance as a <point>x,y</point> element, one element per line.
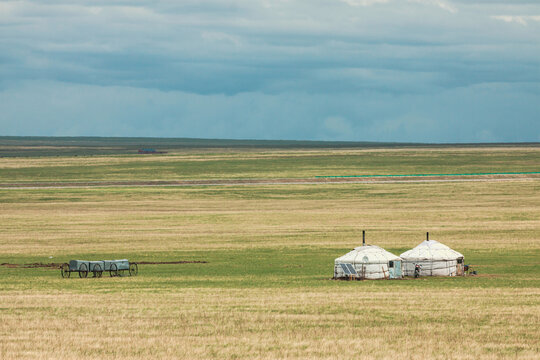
<point>265,290</point>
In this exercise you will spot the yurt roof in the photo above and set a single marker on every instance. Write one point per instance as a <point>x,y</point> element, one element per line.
<point>431,250</point>
<point>367,254</point>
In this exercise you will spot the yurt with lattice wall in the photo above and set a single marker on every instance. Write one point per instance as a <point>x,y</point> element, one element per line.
<point>434,258</point>
<point>368,262</point>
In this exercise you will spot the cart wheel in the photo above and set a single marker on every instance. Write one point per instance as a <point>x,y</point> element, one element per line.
<point>113,270</point>
<point>83,271</point>
<point>133,269</point>
<point>64,269</point>
<point>98,271</point>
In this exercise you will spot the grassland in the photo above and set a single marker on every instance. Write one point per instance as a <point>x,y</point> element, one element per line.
<point>265,291</point>
<point>268,164</point>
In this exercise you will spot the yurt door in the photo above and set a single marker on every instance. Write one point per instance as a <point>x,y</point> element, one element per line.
<point>397,269</point>
<point>460,269</point>
<point>391,269</point>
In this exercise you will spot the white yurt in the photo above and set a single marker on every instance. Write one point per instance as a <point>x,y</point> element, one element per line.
<point>368,262</point>
<point>434,258</point>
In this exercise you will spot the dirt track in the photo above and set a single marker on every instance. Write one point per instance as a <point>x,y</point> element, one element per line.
<point>290,181</point>
<point>57,265</point>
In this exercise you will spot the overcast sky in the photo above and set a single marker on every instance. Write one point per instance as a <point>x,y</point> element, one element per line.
<point>361,70</point>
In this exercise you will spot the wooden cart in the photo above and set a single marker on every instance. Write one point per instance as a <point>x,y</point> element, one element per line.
<point>113,267</point>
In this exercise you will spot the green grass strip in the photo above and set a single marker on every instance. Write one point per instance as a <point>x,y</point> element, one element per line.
<point>404,175</point>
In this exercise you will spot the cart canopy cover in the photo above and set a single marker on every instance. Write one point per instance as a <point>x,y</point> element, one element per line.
<point>103,265</point>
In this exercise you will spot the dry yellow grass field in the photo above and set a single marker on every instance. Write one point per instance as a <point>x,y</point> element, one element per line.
<point>265,291</point>
<point>344,323</point>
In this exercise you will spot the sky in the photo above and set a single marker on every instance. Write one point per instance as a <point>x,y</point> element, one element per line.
<point>351,70</point>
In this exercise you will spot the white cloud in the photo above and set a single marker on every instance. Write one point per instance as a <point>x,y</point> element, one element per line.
<point>364,2</point>
<point>522,20</point>
<point>446,6</point>
<point>518,19</point>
